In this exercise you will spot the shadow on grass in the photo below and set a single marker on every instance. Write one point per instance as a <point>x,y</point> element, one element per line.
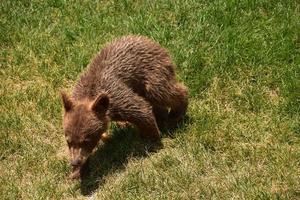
<point>113,156</point>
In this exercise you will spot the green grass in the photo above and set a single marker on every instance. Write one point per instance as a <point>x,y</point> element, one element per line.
<point>239,58</point>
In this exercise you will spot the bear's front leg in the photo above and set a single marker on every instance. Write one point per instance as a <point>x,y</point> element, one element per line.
<point>140,114</point>
<point>134,109</point>
<point>147,128</point>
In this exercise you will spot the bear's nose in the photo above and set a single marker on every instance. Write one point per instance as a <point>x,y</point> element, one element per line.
<point>75,162</point>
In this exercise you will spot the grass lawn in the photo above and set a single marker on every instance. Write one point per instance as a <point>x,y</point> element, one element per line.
<point>239,58</point>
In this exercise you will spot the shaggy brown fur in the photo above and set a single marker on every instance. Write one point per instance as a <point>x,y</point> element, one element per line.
<point>132,79</point>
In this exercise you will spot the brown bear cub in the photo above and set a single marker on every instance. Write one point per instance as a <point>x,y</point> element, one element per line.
<point>132,80</point>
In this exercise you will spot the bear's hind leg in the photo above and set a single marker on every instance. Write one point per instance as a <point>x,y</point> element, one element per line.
<point>167,94</point>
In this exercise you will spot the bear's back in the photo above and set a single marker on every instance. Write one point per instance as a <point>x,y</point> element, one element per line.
<point>131,56</point>
<point>133,60</point>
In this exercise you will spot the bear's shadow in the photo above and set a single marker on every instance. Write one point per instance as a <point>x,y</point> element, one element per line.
<point>113,156</point>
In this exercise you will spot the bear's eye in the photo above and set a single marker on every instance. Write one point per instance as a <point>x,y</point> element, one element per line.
<point>86,140</point>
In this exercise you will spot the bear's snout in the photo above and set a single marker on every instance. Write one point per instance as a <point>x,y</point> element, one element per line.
<point>76,162</point>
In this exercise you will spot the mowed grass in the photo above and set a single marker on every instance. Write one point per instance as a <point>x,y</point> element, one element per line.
<point>240,60</point>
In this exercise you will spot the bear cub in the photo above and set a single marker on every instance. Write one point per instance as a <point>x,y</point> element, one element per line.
<point>132,79</point>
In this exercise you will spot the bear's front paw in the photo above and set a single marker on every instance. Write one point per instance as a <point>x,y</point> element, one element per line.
<point>75,173</point>
<point>105,137</point>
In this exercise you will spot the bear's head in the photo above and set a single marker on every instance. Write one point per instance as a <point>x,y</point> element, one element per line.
<point>84,122</point>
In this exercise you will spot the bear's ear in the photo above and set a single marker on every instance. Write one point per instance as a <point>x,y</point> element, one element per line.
<point>67,101</point>
<point>100,104</point>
